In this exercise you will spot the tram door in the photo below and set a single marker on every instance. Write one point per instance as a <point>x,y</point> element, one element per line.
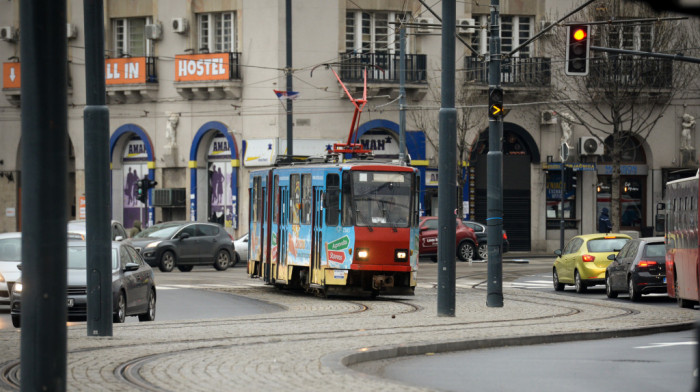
<point>317,240</point>
<point>283,232</point>
<point>266,231</point>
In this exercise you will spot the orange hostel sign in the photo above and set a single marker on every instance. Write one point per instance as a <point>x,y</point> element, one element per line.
<point>193,67</point>
<point>11,75</point>
<point>128,70</point>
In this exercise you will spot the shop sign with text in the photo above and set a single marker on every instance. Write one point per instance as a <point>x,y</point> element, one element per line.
<point>11,75</point>
<point>195,67</point>
<point>127,70</point>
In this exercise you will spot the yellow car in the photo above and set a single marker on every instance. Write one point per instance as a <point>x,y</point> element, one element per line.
<point>584,259</point>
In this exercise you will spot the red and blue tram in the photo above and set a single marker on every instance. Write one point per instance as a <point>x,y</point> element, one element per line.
<point>345,228</point>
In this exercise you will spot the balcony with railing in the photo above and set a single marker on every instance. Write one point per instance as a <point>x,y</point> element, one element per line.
<point>631,73</point>
<point>383,73</point>
<point>208,75</point>
<point>131,79</point>
<point>515,72</point>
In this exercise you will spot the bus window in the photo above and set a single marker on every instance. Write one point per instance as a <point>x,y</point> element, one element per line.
<point>332,199</point>
<point>306,192</point>
<point>295,205</point>
<point>347,215</point>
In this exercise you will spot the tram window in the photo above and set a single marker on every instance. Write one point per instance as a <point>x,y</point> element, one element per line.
<point>306,198</point>
<point>276,202</point>
<point>347,216</point>
<point>295,205</point>
<point>332,199</point>
<point>257,199</point>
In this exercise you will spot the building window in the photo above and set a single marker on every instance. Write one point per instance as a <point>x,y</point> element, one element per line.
<point>217,32</point>
<point>372,32</point>
<point>554,198</point>
<point>630,37</point>
<point>129,37</point>
<point>515,31</point>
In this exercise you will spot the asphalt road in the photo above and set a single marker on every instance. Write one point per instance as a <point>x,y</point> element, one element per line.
<point>663,362</point>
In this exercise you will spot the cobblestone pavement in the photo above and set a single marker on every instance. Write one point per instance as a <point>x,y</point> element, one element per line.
<point>307,345</point>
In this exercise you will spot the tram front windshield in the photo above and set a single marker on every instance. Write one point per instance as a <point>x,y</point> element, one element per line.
<point>381,199</point>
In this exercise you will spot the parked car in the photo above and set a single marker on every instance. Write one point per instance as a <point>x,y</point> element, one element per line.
<point>133,285</point>
<point>428,240</point>
<point>584,260</point>
<point>77,229</point>
<point>639,268</point>
<point>480,229</point>
<point>184,245</point>
<point>10,257</point>
<point>241,245</point>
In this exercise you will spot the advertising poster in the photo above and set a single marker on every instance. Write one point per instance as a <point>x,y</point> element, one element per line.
<point>133,208</point>
<point>220,170</point>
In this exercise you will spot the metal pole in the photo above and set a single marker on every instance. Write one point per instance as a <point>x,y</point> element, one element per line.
<point>447,195</point>
<point>494,173</point>
<point>44,194</point>
<point>561,208</point>
<point>402,96</point>
<point>96,135</point>
<point>290,117</point>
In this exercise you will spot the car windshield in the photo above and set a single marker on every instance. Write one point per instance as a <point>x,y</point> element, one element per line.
<point>606,244</point>
<point>656,250</point>
<point>11,249</point>
<point>77,258</point>
<point>165,230</point>
<point>382,198</point>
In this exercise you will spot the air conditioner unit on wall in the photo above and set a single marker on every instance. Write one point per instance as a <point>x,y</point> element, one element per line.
<point>8,33</point>
<point>179,25</point>
<point>153,31</point>
<point>71,31</point>
<point>466,26</point>
<point>424,29</point>
<point>548,117</point>
<point>169,197</point>
<point>588,145</point>
<point>544,24</point>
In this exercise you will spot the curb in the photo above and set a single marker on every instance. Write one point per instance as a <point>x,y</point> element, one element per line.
<point>341,361</point>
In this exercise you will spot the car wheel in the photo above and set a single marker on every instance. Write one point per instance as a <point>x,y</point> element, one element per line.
<point>167,261</point>
<point>185,268</point>
<point>236,259</point>
<point>555,279</point>
<point>16,320</point>
<point>223,260</point>
<point>150,314</point>
<point>608,288</point>
<point>683,303</point>
<point>483,251</point>
<point>465,251</point>
<point>578,282</point>
<point>635,295</point>
<point>120,315</point>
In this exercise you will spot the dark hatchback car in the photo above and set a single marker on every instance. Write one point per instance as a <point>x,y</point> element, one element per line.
<point>480,229</point>
<point>133,285</point>
<point>428,239</point>
<point>184,245</point>
<point>639,268</point>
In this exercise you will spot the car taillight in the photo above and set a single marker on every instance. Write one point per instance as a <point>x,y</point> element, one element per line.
<point>646,264</point>
<point>587,258</point>
<point>505,236</point>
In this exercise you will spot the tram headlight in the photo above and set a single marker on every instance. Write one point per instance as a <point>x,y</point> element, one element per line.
<point>401,255</point>
<point>362,254</point>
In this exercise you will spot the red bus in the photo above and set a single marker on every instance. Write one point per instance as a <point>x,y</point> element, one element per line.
<point>681,232</point>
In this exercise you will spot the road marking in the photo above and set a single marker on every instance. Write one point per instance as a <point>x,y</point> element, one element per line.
<point>661,345</point>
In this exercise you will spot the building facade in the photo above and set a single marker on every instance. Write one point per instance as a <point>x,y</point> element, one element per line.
<point>197,92</point>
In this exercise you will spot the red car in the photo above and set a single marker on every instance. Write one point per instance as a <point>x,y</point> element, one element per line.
<point>466,239</point>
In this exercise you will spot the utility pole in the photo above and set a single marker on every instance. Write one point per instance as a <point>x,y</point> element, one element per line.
<point>447,189</point>
<point>96,135</point>
<point>43,50</point>
<point>494,171</point>
<point>402,95</point>
<point>288,71</point>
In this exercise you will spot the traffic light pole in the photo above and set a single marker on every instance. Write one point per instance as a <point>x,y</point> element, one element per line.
<point>96,134</point>
<point>494,191</point>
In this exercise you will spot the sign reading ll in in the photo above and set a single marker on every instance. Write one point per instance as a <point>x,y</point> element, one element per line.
<point>129,70</point>
<point>194,67</point>
<point>11,75</point>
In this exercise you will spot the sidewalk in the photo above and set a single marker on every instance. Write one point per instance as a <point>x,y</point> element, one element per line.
<point>307,345</point>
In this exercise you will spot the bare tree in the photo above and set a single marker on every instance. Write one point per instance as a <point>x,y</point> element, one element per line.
<point>624,96</point>
<point>470,120</point>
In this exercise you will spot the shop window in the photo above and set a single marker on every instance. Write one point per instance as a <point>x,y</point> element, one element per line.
<point>555,208</point>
